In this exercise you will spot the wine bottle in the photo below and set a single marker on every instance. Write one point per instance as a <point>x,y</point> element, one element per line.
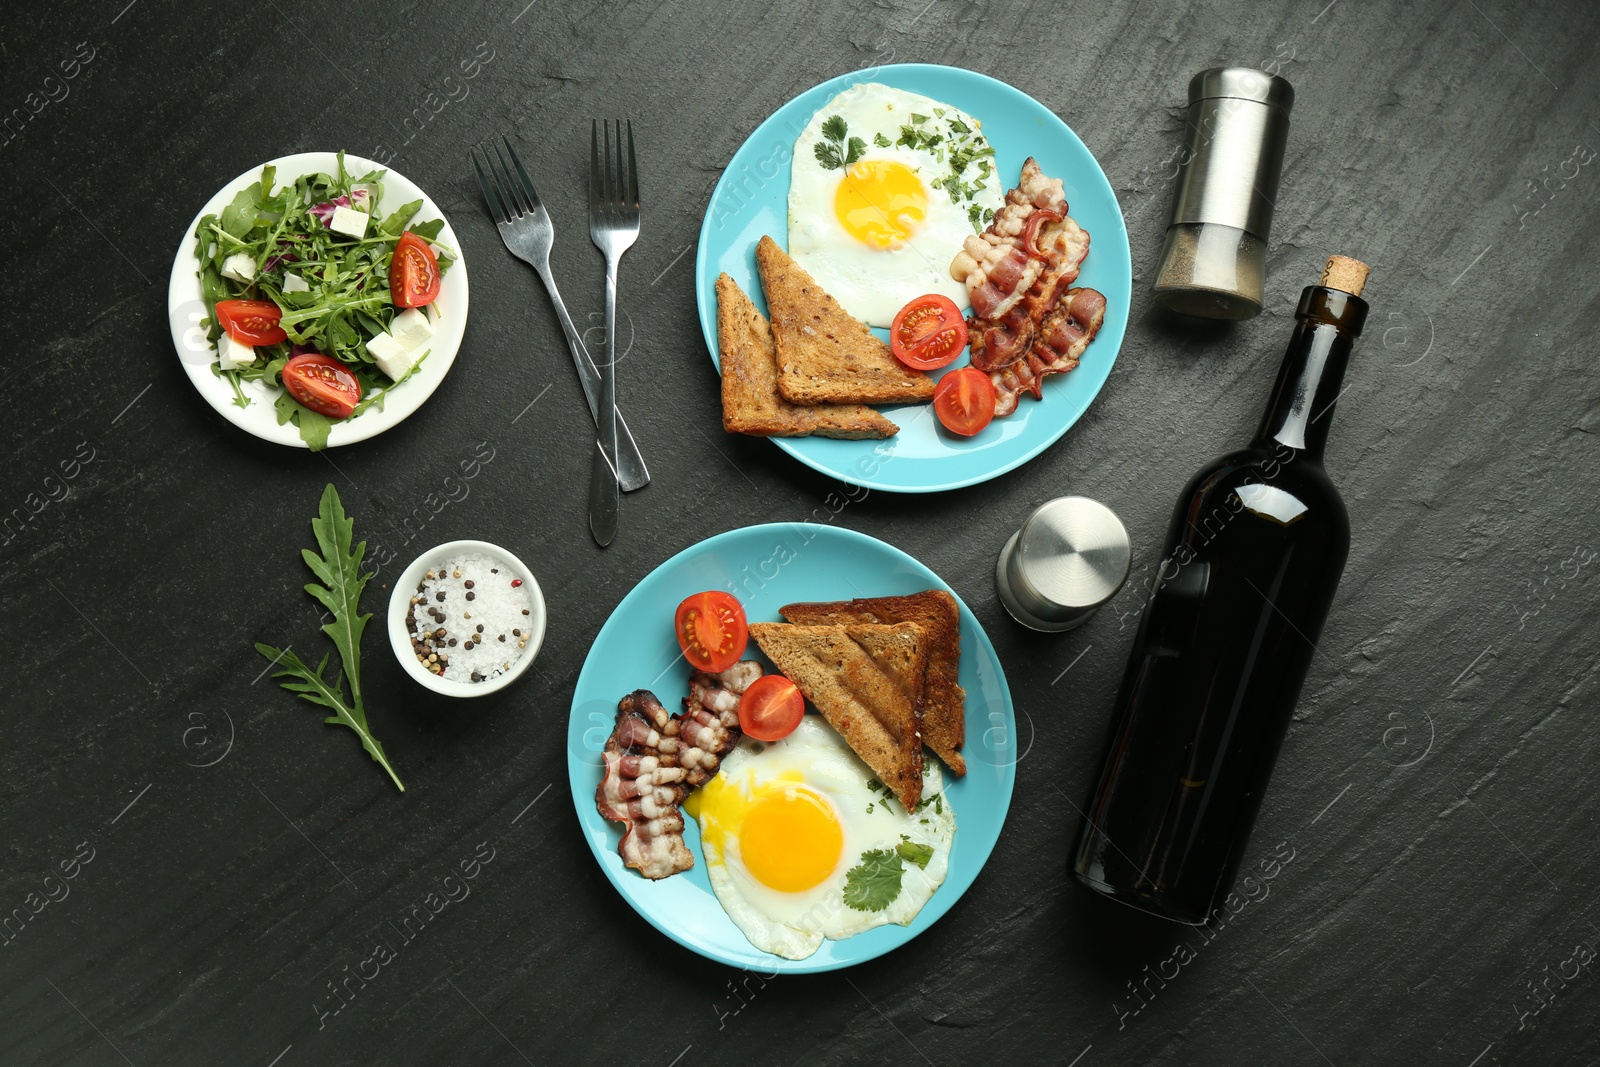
<point>1248,573</point>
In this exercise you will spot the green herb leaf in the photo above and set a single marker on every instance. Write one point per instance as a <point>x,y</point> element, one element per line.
<point>429,231</point>
<point>835,128</point>
<point>874,883</point>
<point>913,852</point>
<point>828,155</point>
<point>239,217</point>
<point>918,120</point>
<point>958,126</point>
<point>313,425</point>
<point>396,222</point>
<point>881,141</point>
<point>341,584</point>
<point>858,148</point>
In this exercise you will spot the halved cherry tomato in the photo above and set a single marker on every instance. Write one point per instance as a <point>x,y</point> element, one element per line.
<point>322,384</point>
<point>964,401</point>
<point>928,333</point>
<point>413,272</point>
<point>711,630</point>
<point>251,322</point>
<point>771,708</point>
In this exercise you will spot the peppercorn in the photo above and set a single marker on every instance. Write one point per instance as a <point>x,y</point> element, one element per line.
<point>468,583</point>
<point>470,596</point>
<point>439,596</point>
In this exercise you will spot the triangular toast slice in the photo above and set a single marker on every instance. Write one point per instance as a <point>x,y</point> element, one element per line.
<point>825,356</point>
<point>866,681</point>
<point>750,400</point>
<point>943,707</point>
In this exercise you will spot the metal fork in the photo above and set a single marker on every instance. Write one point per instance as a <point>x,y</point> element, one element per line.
<point>525,227</point>
<point>613,227</point>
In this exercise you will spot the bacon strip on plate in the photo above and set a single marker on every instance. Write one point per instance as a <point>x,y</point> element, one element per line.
<point>652,761</point>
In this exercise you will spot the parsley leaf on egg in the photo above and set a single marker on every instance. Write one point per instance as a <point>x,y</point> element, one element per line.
<point>881,141</point>
<point>836,153</point>
<point>914,852</point>
<point>918,120</point>
<point>960,127</point>
<point>874,883</point>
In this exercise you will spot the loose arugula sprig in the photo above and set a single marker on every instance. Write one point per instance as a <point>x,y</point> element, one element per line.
<point>836,153</point>
<point>339,569</point>
<point>347,300</point>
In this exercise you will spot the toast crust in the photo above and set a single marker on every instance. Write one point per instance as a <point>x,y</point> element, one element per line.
<point>942,710</point>
<point>750,400</point>
<point>826,356</point>
<point>866,681</point>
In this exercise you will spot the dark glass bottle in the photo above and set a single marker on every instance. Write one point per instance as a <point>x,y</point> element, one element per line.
<point>1249,570</point>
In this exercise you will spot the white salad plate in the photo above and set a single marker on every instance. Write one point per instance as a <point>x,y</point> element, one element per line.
<point>186,308</point>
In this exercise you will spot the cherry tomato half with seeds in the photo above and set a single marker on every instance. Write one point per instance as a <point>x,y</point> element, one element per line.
<point>711,630</point>
<point>322,384</point>
<point>964,401</point>
<point>251,322</point>
<point>771,708</point>
<point>928,333</point>
<point>413,272</point>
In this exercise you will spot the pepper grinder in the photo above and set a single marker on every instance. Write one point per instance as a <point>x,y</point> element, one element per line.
<point>1214,260</point>
<point>1069,558</point>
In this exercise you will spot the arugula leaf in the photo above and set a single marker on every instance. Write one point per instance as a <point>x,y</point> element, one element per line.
<point>339,569</point>
<point>914,852</point>
<point>835,128</point>
<point>239,217</point>
<point>313,425</point>
<point>429,231</point>
<point>397,219</point>
<point>874,883</point>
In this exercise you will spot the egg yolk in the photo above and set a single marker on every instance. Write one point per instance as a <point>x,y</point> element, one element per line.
<point>880,202</point>
<point>790,839</point>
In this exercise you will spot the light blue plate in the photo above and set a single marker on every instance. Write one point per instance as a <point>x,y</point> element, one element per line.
<point>767,567</point>
<point>752,200</point>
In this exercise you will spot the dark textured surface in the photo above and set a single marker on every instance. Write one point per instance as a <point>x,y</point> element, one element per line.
<point>1437,788</point>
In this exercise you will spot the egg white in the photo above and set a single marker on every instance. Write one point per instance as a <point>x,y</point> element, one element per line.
<point>871,283</point>
<point>815,757</point>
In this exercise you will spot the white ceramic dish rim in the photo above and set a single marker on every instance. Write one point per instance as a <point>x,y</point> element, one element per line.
<point>400,599</point>
<point>186,306</point>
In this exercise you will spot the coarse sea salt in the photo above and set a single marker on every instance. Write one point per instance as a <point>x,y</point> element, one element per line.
<point>483,637</point>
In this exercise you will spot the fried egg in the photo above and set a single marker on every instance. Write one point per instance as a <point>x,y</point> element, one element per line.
<point>802,843</point>
<point>884,188</point>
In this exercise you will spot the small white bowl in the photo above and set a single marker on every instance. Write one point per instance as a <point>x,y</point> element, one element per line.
<point>405,588</point>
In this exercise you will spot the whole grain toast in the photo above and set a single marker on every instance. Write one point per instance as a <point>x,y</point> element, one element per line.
<point>866,681</point>
<point>825,356</point>
<point>943,707</point>
<point>750,400</point>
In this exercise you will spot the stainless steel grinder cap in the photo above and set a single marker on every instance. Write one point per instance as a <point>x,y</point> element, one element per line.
<point>1069,558</point>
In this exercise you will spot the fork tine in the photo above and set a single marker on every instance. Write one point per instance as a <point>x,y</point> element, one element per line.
<point>594,164</point>
<point>519,208</point>
<point>610,175</point>
<point>622,171</point>
<point>527,183</point>
<point>633,169</point>
<point>496,211</point>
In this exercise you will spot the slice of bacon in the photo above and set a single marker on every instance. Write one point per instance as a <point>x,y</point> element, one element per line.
<point>1057,345</point>
<point>652,760</point>
<point>1000,341</point>
<point>1001,264</point>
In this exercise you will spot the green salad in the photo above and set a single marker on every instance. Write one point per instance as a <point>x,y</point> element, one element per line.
<point>311,286</point>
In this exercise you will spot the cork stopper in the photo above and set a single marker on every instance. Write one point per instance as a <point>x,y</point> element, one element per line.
<point>1345,274</point>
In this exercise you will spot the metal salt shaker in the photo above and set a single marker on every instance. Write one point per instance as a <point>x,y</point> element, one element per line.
<point>1069,558</point>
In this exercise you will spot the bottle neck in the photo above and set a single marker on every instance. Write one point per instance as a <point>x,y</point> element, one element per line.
<point>1327,322</point>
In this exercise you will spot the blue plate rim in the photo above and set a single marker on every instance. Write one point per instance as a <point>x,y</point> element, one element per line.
<point>582,783</point>
<point>1112,331</point>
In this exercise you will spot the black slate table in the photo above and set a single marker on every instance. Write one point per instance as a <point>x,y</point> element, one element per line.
<point>232,857</point>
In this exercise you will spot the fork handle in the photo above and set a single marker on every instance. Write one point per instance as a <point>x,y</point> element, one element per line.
<point>631,470</point>
<point>603,482</point>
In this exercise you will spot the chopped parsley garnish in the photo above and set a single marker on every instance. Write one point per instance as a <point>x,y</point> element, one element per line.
<point>874,883</point>
<point>881,141</point>
<point>837,153</point>
<point>913,852</point>
<point>957,144</point>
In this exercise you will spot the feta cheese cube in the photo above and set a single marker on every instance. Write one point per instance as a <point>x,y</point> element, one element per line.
<point>241,267</point>
<point>393,358</point>
<point>231,354</point>
<point>411,328</point>
<point>349,221</point>
<point>293,283</point>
